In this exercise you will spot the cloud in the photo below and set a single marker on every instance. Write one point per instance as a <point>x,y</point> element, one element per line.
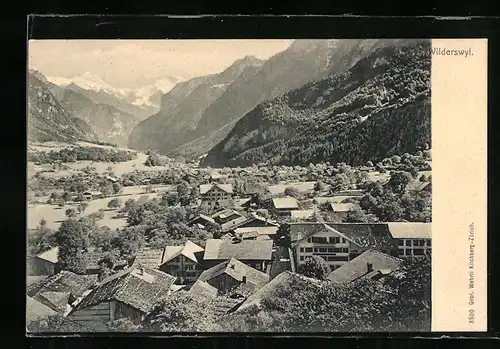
<point>134,63</point>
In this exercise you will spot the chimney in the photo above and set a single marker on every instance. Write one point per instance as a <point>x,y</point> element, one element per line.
<point>369,267</point>
<point>244,279</point>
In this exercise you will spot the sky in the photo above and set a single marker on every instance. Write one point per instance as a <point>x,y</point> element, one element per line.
<point>135,63</point>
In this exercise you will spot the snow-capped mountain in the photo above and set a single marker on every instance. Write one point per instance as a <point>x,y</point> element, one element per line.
<point>145,96</point>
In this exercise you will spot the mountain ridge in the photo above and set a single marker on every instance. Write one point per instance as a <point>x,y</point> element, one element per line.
<point>339,118</point>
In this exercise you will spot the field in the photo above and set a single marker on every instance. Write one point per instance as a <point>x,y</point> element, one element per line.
<point>54,214</point>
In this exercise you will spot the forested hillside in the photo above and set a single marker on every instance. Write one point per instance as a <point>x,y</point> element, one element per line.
<point>47,119</point>
<point>378,108</point>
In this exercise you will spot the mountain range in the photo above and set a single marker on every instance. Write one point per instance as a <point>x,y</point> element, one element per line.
<point>348,100</point>
<point>110,118</point>
<point>378,107</point>
<point>202,119</point>
<point>48,120</point>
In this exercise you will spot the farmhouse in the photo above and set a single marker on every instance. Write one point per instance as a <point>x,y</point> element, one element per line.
<point>203,222</point>
<point>371,264</point>
<point>45,263</point>
<point>229,219</point>
<point>130,294</point>
<point>254,253</point>
<point>184,262</point>
<point>303,214</point>
<point>230,274</point>
<point>216,194</point>
<point>283,206</point>
<point>59,291</point>
<point>92,195</point>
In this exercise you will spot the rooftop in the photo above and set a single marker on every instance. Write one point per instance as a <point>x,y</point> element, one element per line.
<point>287,202</point>
<point>357,268</point>
<point>205,188</point>
<point>236,270</point>
<point>217,249</point>
<point>259,230</point>
<point>203,288</point>
<point>410,230</point>
<point>50,255</point>
<point>190,250</point>
<point>336,207</point>
<point>137,287</point>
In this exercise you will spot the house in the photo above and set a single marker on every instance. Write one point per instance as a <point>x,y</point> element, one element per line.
<point>184,262</point>
<point>46,263</point>
<point>61,290</point>
<point>414,239</point>
<point>131,294</point>
<point>92,195</point>
<point>371,264</point>
<point>342,207</point>
<point>229,219</point>
<point>284,205</point>
<point>255,220</point>
<point>216,194</point>
<point>203,222</point>
<point>230,274</point>
<point>282,281</point>
<point>303,214</point>
<point>418,186</point>
<point>257,231</point>
<point>242,204</point>
<point>254,253</point>
<point>339,243</point>
<point>149,257</point>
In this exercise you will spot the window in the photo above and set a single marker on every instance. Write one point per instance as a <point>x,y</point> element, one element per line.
<point>322,250</point>
<point>319,240</point>
<point>301,258</point>
<point>429,242</point>
<point>334,240</point>
<point>309,240</point>
<point>422,242</point>
<point>418,251</point>
<point>407,243</point>
<point>302,249</point>
<point>309,249</point>
<point>415,242</point>
<point>401,242</point>
<point>345,250</point>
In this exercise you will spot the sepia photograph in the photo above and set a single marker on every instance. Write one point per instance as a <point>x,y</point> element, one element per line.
<point>245,185</point>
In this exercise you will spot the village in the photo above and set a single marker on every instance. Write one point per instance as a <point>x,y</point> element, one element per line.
<point>226,237</point>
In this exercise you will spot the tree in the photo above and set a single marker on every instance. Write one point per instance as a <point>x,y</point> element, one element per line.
<point>399,181</point>
<point>283,237</point>
<point>293,192</point>
<point>114,203</point>
<point>82,207</point>
<point>117,188</point>
<point>368,202</point>
<point>71,238</point>
<point>71,212</point>
<point>95,216</point>
<point>183,193</point>
<point>356,215</point>
<point>66,196</point>
<point>171,199</point>
<point>315,267</point>
<point>319,186</point>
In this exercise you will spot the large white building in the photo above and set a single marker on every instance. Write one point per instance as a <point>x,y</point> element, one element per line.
<point>338,243</point>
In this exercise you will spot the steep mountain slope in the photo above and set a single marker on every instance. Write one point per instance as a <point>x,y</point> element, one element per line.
<point>182,108</point>
<point>110,124</point>
<point>379,107</point>
<point>304,61</point>
<point>47,119</point>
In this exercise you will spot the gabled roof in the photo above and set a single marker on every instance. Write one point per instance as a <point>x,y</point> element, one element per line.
<point>217,249</point>
<point>410,230</point>
<point>236,270</point>
<point>255,215</point>
<point>50,255</point>
<point>138,290</point>
<point>283,280</point>
<point>419,186</point>
<point>285,202</point>
<point>358,268</point>
<point>336,207</point>
<point>190,250</point>
<point>149,257</point>
<point>64,281</point>
<point>368,235</point>
<point>203,288</point>
<point>205,188</point>
<point>56,290</point>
